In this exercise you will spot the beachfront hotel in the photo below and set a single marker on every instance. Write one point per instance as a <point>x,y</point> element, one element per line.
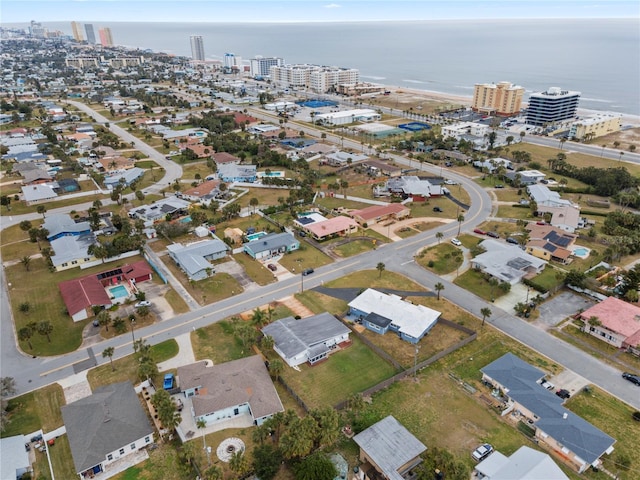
<point>553,105</point>
<point>595,126</point>
<point>76,28</point>
<point>503,98</point>
<point>259,66</point>
<point>318,78</point>
<point>105,37</point>
<point>197,48</point>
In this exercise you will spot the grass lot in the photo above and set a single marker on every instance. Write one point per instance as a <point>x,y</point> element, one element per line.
<point>475,282</point>
<point>255,269</point>
<point>41,469</point>
<point>164,463</point>
<point>35,410</point>
<point>613,417</point>
<point>507,211</point>
<point>218,343</point>
<point>445,257</point>
<point>126,367</point>
<point>340,201</point>
<point>469,241</point>
<point>20,207</point>
<point>355,247</point>
<point>503,228</point>
<point>342,375</point>
<point>509,195</point>
<point>265,196</point>
<point>15,243</point>
<point>61,458</point>
<point>305,257</point>
<point>176,301</point>
<point>189,171</point>
<point>425,209</point>
<point>39,287</point>
<point>549,278</point>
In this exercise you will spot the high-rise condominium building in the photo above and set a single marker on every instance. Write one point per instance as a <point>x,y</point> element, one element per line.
<point>553,105</point>
<point>37,30</point>
<point>197,48</point>
<point>259,66</point>
<point>318,78</point>
<point>91,35</point>
<point>502,99</point>
<point>105,37</point>
<point>232,63</point>
<point>76,29</point>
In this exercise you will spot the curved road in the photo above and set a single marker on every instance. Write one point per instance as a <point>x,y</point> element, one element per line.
<point>31,373</point>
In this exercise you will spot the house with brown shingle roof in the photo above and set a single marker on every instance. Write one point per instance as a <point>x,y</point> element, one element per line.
<point>201,151</point>
<point>550,243</point>
<point>227,390</point>
<point>379,213</point>
<point>222,158</point>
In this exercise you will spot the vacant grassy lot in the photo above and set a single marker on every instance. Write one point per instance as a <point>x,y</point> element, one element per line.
<point>510,194</point>
<point>305,257</point>
<point>507,211</point>
<point>39,288</point>
<point>445,258</point>
<point>15,243</point>
<point>340,201</point>
<point>265,196</point>
<point>35,410</point>
<point>340,376</point>
<point>475,282</point>
<point>126,368</point>
<point>255,269</point>
<point>503,228</point>
<point>218,343</point>
<point>355,247</point>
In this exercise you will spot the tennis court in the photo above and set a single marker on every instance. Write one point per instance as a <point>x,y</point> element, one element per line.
<point>317,103</point>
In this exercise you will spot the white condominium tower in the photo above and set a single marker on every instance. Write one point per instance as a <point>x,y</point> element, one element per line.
<point>320,79</point>
<point>553,105</point>
<point>197,48</point>
<point>260,66</point>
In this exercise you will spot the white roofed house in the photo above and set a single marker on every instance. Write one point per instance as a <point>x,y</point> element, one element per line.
<point>308,339</point>
<point>505,262</point>
<point>193,259</point>
<point>564,214</point>
<point>525,464</point>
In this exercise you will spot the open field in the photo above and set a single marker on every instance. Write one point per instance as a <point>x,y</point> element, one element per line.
<point>20,207</point>
<point>35,410</point>
<point>334,380</point>
<point>265,196</point>
<point>218,343</point>
<point>445,257</point>
<point>508,211</point>
<point>176,302</point>
<point>352,248</point>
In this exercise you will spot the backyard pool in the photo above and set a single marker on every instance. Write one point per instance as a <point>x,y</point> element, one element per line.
<point>185,219</point>
<point>581,252</point>
<point>119,291</point>
<point>256,236</point>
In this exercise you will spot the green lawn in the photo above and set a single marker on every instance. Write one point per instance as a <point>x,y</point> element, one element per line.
<point>355,247</point>
<point>445,257</point>
<point>20,207</point>
<point>61,459</point>
<point>35,410</point>
<point>126,367</point>
<point>218,343</point>
<point>176,302</point>
<point>549,278</point>
<point>340,376</point>
<point>475,282</point>
<point>255,270</point>
<point>507,211</point>
<point>305,257</point>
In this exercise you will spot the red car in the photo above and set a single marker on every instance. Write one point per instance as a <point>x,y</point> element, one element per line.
<point>479,232</point>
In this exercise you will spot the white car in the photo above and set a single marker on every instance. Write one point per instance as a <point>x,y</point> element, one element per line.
<point>144,303</point>
<point>456,242</point>
<point>450,182</point>
<point>482,452</point>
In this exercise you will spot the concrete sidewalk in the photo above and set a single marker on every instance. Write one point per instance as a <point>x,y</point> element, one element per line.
<point>185,354</point>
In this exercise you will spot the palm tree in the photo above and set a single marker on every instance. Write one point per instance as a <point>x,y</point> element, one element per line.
<point>438,288</point>
<point>45,329</point>
<point>254,202</point>
<point>460,220</point>
<point>201,424</point>
<point>297,441</point>
<point>620,157</point>
<point>486,313</point>
<point>238,463</point>
<point>41,209</point>
<point>439,236</point>
<point>258,317</point>
<point>493,282</point>
<point>275,367</point>
<point>212,473</point>
<point>380,267</point>
<point>108,352</point>
<point>26,260</point>
<point>267,342</point>
<point>24,335</point>
<point>104,319</point>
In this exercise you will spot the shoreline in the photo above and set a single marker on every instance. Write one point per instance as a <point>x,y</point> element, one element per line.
<point>627,118</point>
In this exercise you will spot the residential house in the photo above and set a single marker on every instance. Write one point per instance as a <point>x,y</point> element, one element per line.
<point>61,225</point>
<point>381,312</point>
<point>321,228</point>
<point>231,173</point>
<point>525,464</point>
<point>15,459</point>
<point>505,262</point>
<point>224,158</point>
<point>388,451</point>
<point>572,438</point>
<point>125,178</point>
<point>200,151</point>
<point>182,136</point>
<point>203,193</point>
<point>193,259</point>
<point>271,245</point>
<point>564,214</point>
<point>493,164</point>
<point>106,426</point>
<point>379,213</point>
<point>308,339</point>
<point>618,323</point>
<point>525,177</point>
<point>116,163</point>
<point>35,176</point>
<point>234,235</point>
<point>342,159</point>
<point>451,155</point>
<point>550,243</point>
<point>81,294</point>
<point>40,193</point>
<point>378,167</point>
<point>72,251</point>
<point>228,390</point>
<point>413,187</point>
<point>545,197</point>
<point>172,207</point>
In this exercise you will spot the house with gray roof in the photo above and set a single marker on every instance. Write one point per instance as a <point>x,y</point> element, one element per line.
<point>38,193</point>
<point>158,211</point>
<point>227,390</point>
<point>72,251</point>
<point>389,451</point>
<point>579,442</point>
<point>231,172</point>
<point>193,259</point>
<point>106,426</point>
<point>272,245</point>
<point>525,464</point>
<point>308,339</point>
<point>125,178</point>
<point>62,225</point>
<point>506,262</point>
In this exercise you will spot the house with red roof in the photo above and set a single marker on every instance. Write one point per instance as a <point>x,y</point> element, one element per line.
<point>618,323</point>
<point>223,158</point>
<point>81,294</point>
<point>379,213</point>
<point>332,227</point>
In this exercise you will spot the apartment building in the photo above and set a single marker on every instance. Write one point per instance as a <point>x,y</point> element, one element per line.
<point>197,48</point>
<point>318,78</point>
<point>552,105</point>
<point>260,66</point>
<point>503,98</point>
<point>595,126</point>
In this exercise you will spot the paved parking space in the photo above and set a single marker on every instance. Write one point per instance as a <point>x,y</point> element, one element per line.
<point>569,380</point>
<point>561,306</point>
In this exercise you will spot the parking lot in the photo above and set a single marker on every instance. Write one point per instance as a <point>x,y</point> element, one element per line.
<point>561,306</point>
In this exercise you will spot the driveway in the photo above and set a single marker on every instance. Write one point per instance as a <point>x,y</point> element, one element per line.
<point>561,306</point>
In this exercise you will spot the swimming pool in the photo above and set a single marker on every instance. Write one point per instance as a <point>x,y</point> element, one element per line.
<point>581,252</point>
<point>119,291</point>
<point>185,219</point>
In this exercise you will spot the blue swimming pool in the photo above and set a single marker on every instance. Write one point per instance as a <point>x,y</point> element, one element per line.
<point>119,291</point>
<point>185,219</point>
<point>581,252</point>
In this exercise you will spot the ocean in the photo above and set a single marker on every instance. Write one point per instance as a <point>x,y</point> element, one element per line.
<point>599,58</point>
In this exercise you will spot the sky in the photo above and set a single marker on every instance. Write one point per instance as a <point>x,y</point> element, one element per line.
<point>227,11</point>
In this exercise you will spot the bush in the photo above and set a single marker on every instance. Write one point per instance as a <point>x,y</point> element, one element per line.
<point>636,416</point>
<point>535,286</point>
<point>431,264</point>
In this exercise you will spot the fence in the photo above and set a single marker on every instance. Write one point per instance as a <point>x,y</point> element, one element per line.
<point>293,394</point>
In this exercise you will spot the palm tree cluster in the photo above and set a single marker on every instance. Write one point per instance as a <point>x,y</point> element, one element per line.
<point>146,364</point>
<point>166,410</point>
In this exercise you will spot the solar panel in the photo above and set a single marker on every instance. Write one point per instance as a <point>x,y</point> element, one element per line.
<point>305,220</point>
<point>518,263</point>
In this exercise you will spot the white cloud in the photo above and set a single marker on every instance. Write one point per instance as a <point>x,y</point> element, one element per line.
<point>333,5</point>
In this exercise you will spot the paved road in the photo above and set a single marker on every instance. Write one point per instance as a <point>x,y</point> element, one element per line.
<point>31,373</point>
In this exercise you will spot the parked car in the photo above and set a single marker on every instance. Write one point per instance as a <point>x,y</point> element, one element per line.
<point>482,452</point>
<point>479,232</point>
<point>493,234</point>
<point>456,242</point>
<point>547,384</point>
<point>307,271</point>
<point>450,182</point>
<point>562,393</point>
<point>437,209</point>
<point>272,267</point>
<point>499,185</point>
<point>143,303</point>
<point>632,378</point>
<point>512,241</point>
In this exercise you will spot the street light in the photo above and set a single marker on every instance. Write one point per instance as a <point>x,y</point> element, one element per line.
<point>133,322</point>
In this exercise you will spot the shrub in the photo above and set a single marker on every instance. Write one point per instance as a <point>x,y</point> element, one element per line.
<point>431,264</point>
<point>636,416</point>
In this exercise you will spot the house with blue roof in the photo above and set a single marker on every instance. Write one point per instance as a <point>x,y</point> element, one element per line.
<point>61,225</point>
<point>231,173</point>
<point>571,437</point>
<point>272,245</point>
